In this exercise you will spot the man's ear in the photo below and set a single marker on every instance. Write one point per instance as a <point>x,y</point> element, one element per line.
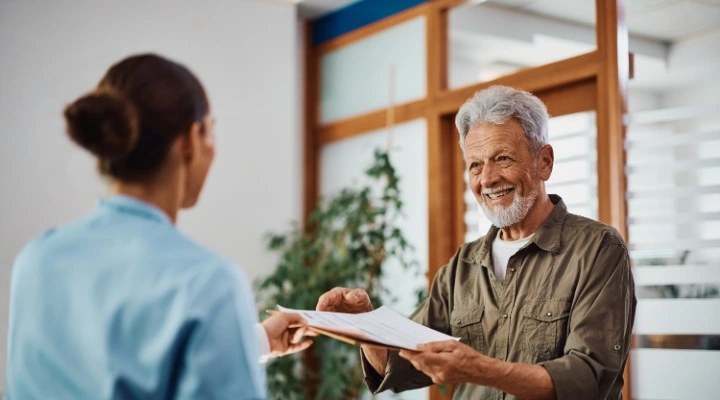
<point>545,160</point>
<point>192,141</point>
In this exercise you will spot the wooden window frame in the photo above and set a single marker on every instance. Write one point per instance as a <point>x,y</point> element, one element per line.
<point>593,81</point>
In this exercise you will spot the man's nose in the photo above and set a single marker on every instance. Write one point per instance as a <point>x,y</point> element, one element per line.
<point>489,175</point>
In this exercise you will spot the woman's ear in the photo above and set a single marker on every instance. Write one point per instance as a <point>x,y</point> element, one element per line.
<point>545,159</point>
<point>192,141</point>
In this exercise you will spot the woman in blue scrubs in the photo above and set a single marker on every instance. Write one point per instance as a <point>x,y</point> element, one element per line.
<point>120,304</point>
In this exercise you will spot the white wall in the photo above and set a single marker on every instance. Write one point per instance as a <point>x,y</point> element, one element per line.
<point>244,52</point>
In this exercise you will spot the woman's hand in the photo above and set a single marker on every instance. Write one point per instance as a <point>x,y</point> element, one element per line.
<point>287,334</point>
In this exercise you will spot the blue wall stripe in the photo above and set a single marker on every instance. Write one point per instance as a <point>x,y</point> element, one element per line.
<point>357,15</point>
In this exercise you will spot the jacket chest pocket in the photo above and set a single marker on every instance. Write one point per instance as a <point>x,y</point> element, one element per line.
<point>544,328</point>
<point>466,323</point>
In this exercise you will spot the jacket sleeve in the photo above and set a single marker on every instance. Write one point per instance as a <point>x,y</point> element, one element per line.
<point>434,312</point>
<point>600,329</point>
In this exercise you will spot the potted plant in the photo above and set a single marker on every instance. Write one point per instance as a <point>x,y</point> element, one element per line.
<point>349,238</point>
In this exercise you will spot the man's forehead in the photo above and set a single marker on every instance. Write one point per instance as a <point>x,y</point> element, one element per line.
<point>509,126</point>
<point>496,134</point>
<point>483,151</point>
<point>488,140</point>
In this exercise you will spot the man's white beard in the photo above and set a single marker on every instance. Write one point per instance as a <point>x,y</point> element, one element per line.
<point>506,216</point>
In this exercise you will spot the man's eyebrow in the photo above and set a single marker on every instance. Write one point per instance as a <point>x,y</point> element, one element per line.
<point>491,153</point>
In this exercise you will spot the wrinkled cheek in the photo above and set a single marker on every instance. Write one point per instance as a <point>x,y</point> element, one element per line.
<point>478,197</point>
<point>476,189</point>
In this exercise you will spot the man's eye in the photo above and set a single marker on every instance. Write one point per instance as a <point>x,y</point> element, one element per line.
<point>503,158</point>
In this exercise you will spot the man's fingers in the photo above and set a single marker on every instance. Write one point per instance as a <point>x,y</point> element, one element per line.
<point>436,347</point>
<point>325,303</point>
<point>342,299</point>
<point>408,354</point>
<point>425,357</point>
<point>357,300</point>
<point>357,296</point>
<point>414,358</point>
<point>427,363</point>
<point>332,299</point>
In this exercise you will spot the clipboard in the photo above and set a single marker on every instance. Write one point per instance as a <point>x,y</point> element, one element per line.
<point>344,338</point>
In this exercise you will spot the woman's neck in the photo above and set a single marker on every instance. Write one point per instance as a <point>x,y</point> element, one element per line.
<point>164,193</point>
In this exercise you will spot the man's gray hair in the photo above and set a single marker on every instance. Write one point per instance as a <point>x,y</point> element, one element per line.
<point>496,105</point>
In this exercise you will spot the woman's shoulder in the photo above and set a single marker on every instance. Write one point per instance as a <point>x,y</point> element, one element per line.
<point>215,279</point>
<point>157,249</point>
<point>192,249</point>
<point>44,242</point>
<point>202,263</point>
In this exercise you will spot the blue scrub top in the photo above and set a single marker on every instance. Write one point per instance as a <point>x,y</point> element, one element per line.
<point>120,305</point>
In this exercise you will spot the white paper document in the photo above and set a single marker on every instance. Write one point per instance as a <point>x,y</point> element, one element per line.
<point>383,326</point>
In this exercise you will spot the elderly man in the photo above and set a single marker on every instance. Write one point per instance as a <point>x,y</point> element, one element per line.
<point>544,303</point>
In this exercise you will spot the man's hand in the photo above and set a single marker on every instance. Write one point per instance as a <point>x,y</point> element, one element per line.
<point>354,301</point>
<point>351,301</point>
<point>453,362</point>
<point>286,334</point>
<point>446,362</point>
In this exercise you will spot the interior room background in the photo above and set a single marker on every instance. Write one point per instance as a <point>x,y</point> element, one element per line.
<point>250,55</point>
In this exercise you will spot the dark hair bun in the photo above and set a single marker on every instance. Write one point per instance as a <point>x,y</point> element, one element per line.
<point>103,122</point>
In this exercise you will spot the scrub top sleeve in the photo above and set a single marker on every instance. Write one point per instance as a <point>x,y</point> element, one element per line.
<point>265,352</point>
<point>223,353</point>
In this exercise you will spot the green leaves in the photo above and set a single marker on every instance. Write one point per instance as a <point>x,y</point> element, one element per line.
<point>349,237</point>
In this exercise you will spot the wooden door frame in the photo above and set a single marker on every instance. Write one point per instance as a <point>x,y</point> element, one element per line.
<point>593,81</point>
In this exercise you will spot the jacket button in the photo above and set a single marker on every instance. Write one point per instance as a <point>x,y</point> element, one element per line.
<point>549,314</point>
<point>616,347</point>
<point>458,321</point>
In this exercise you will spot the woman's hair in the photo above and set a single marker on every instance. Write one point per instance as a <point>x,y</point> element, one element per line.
<point>496,105</point>
<point>129,122</point>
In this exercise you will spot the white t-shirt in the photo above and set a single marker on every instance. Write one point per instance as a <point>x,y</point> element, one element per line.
<point>502,250</point>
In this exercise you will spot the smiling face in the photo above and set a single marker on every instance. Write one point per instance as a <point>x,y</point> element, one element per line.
<point>505,177</point>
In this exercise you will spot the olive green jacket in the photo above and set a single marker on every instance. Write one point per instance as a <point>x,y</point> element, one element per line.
<point>567,303</point>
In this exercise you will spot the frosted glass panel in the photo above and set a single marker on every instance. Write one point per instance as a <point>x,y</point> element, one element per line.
<point>674,237</point>
<point>673,176</point>
<point>574,175</point>
<point>674,374</point>
<point>493,38</point>
<point>355,78</point>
